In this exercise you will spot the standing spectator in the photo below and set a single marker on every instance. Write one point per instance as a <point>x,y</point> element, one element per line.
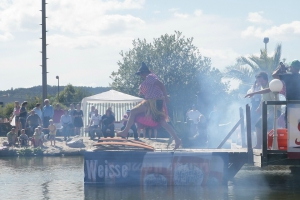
<point>23,139</point>
<point>193,117</point>
<point>52,131</point>
<point>267,95</point>
<point>16,115</point>
<point>37,109</point>
<point>141,129</point>
<point>133,127</point>
<point>94,124</point>
<point>47,113</point>
<point>12,137</point>
<point>255,101</point>
<point>58,112</point>
<point>66,122</point>
<point>78,122</point>
<point>23,114</point>
<point>33,121</point>
<point>108,121</point>
<point>71,113</point>
<point>150,130</point>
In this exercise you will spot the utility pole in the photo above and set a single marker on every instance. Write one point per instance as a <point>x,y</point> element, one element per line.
<point>44,51</point>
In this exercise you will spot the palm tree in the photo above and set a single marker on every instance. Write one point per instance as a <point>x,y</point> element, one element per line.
<point>246,68</point>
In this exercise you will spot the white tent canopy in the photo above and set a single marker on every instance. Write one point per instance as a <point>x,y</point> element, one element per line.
<point>118,101</point>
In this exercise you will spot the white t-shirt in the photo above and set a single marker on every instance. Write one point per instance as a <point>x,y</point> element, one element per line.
<point>194,115</point>
<point>95,120</point>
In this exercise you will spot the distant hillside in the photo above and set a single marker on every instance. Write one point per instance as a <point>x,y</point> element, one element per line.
<point>22,94</point>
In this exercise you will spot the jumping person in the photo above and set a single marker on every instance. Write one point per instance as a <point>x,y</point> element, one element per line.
<point>152,111</point>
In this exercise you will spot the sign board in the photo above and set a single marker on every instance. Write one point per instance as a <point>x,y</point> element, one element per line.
<point>154,168</point>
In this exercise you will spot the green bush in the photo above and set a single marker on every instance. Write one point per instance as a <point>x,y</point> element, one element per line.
<point>25,152</point>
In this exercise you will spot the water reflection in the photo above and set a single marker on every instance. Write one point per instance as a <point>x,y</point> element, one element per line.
<point>62,178</point>
<point>154,192</point>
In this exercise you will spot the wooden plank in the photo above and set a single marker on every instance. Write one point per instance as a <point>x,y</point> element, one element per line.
<point>229,134</point>
<point>119,139</point>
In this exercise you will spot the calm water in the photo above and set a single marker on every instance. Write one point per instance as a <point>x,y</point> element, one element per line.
<point>62,178</point>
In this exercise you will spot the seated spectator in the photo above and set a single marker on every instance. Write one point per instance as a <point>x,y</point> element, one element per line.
<point>52,131</point>
<point>42,135</point>
<point>66,122</point>
<point>108,121</point>
<point>141,129</point>
<point>12,137</point>
<point>36,138</point>
<point>23,139</point>
<point>94,124</point>
<point>133,127</point>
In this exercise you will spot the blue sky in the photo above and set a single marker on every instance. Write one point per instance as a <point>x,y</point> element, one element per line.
<point>85,37</point>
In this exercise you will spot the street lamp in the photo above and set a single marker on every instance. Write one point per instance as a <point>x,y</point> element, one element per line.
<point>275,86</point>
<point>266,40</point>
<point>57,77</point>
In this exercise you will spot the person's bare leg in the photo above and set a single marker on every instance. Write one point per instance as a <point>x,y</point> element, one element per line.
<point>155,133</point>
<point>130,122</point>
<point>172,132</point>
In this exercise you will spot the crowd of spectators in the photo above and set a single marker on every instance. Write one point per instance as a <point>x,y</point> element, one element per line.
<point>43,123</point>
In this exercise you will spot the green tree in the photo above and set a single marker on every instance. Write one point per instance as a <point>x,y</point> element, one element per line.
<point>246,68</point>
<point>7,110</point>
<point>70,94</point>
<point>178,63</point>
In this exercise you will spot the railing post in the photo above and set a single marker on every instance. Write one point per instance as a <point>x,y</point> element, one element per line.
<point>249,135</point>
<point>242,127</point>
<point>264,134</point>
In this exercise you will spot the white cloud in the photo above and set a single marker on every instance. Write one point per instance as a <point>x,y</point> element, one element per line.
<point>20,16</point>
<point>256,17</point>
<point>83,42</point>
<point>282,32</point>
<point>181,15</point>
<point>198,13</point>
<point>221,58</point>
<point>74,16</point>
<point>6,37</point>
<point>173,9</point>
<point>92,17</point>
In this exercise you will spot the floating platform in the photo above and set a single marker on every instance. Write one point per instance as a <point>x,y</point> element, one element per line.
<point>200,167</point>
